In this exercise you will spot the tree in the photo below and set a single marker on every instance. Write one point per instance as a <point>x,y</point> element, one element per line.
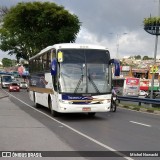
<point>146,58</point>
<point>137,57</point>
<point>6,62</point>
<point>3,12</point>
<point>29,27</point>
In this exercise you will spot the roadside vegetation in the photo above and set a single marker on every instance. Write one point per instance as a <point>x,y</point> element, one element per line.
<point>140,108</point>
<point>27,28</point>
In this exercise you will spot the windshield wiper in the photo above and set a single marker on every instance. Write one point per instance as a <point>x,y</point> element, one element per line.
<point>78,84</point>
<point>94,85</point>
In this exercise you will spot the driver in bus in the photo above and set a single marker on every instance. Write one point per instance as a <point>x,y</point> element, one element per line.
<point>42,82</point>
<point>42,79</point>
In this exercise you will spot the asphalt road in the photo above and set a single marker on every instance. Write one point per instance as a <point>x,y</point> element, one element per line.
<point>124,130</point>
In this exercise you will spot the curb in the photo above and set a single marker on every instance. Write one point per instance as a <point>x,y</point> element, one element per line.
<point>3,94</point>
<point>147,110</point>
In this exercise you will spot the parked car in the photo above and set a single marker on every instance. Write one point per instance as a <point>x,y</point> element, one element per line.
<point>23,85</point>
<point>14,87</point>
<point>143,93</point>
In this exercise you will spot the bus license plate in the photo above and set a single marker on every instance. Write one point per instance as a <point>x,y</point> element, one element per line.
<point>86,109</point>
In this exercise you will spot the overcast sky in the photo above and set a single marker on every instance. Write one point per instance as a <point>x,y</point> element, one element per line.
<point>116,24</point>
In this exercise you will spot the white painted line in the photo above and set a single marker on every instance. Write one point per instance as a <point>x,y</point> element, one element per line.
<point>140,123</point>
<point>76,131</point>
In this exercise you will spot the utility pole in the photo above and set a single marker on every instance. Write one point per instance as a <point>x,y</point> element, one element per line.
<point>117,45</point>
<point>155,53</point>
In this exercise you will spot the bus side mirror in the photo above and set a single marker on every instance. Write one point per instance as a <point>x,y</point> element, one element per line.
<point>54,67</point>
<point>117,66</point>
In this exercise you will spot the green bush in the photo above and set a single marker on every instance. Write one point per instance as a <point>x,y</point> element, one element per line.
<point>152,21</point>
<point>135,108</point>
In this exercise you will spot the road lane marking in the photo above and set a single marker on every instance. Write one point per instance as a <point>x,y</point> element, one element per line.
<point>76,131</point>
<point>140,123</point>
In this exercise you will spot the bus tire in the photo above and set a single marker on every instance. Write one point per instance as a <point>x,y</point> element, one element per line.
<point>91,114</point>
<point>53,112</point>
<point>34,99</point>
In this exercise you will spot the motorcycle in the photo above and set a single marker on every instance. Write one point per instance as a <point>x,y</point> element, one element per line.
<point>113,104</point>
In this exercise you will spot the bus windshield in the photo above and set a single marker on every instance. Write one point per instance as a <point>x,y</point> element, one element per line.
<point>84,71</point>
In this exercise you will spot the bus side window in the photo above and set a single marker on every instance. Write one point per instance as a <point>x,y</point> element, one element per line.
<point>44,59</point>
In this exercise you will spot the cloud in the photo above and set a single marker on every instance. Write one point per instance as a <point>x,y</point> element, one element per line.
<point>103,17</point>
<point>5,55</point>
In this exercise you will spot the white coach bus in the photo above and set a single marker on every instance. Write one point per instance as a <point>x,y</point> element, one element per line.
<point>72,78</point>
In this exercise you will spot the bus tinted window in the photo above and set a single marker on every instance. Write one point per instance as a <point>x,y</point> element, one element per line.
<point>97,56</point>
<point>87,56</point>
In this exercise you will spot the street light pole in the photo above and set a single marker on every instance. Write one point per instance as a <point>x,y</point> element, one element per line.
<point>118,37</point>
<point>117,56</point>
<point>155,53</point>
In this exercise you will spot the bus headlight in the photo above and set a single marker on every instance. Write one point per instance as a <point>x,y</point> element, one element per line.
<point>105,101</point>
<point>65,101</point>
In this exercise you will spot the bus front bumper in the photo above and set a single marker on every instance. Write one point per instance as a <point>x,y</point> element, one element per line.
<point>77,108</point>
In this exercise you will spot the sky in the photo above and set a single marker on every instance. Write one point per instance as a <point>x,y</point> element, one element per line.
<point>115,24</point>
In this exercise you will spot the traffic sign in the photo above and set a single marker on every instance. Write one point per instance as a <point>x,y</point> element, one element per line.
<point>154,69</point>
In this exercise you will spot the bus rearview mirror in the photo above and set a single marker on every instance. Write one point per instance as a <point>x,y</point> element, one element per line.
<point>54,67</point>
<point>117,66</point>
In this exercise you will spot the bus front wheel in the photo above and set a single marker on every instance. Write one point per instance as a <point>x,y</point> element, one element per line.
<point>53,112</point>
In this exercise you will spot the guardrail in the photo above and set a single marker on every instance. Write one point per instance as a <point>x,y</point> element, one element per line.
<point>137,99</point>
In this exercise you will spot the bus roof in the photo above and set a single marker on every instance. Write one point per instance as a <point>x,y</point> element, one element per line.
<point>69,45</point>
